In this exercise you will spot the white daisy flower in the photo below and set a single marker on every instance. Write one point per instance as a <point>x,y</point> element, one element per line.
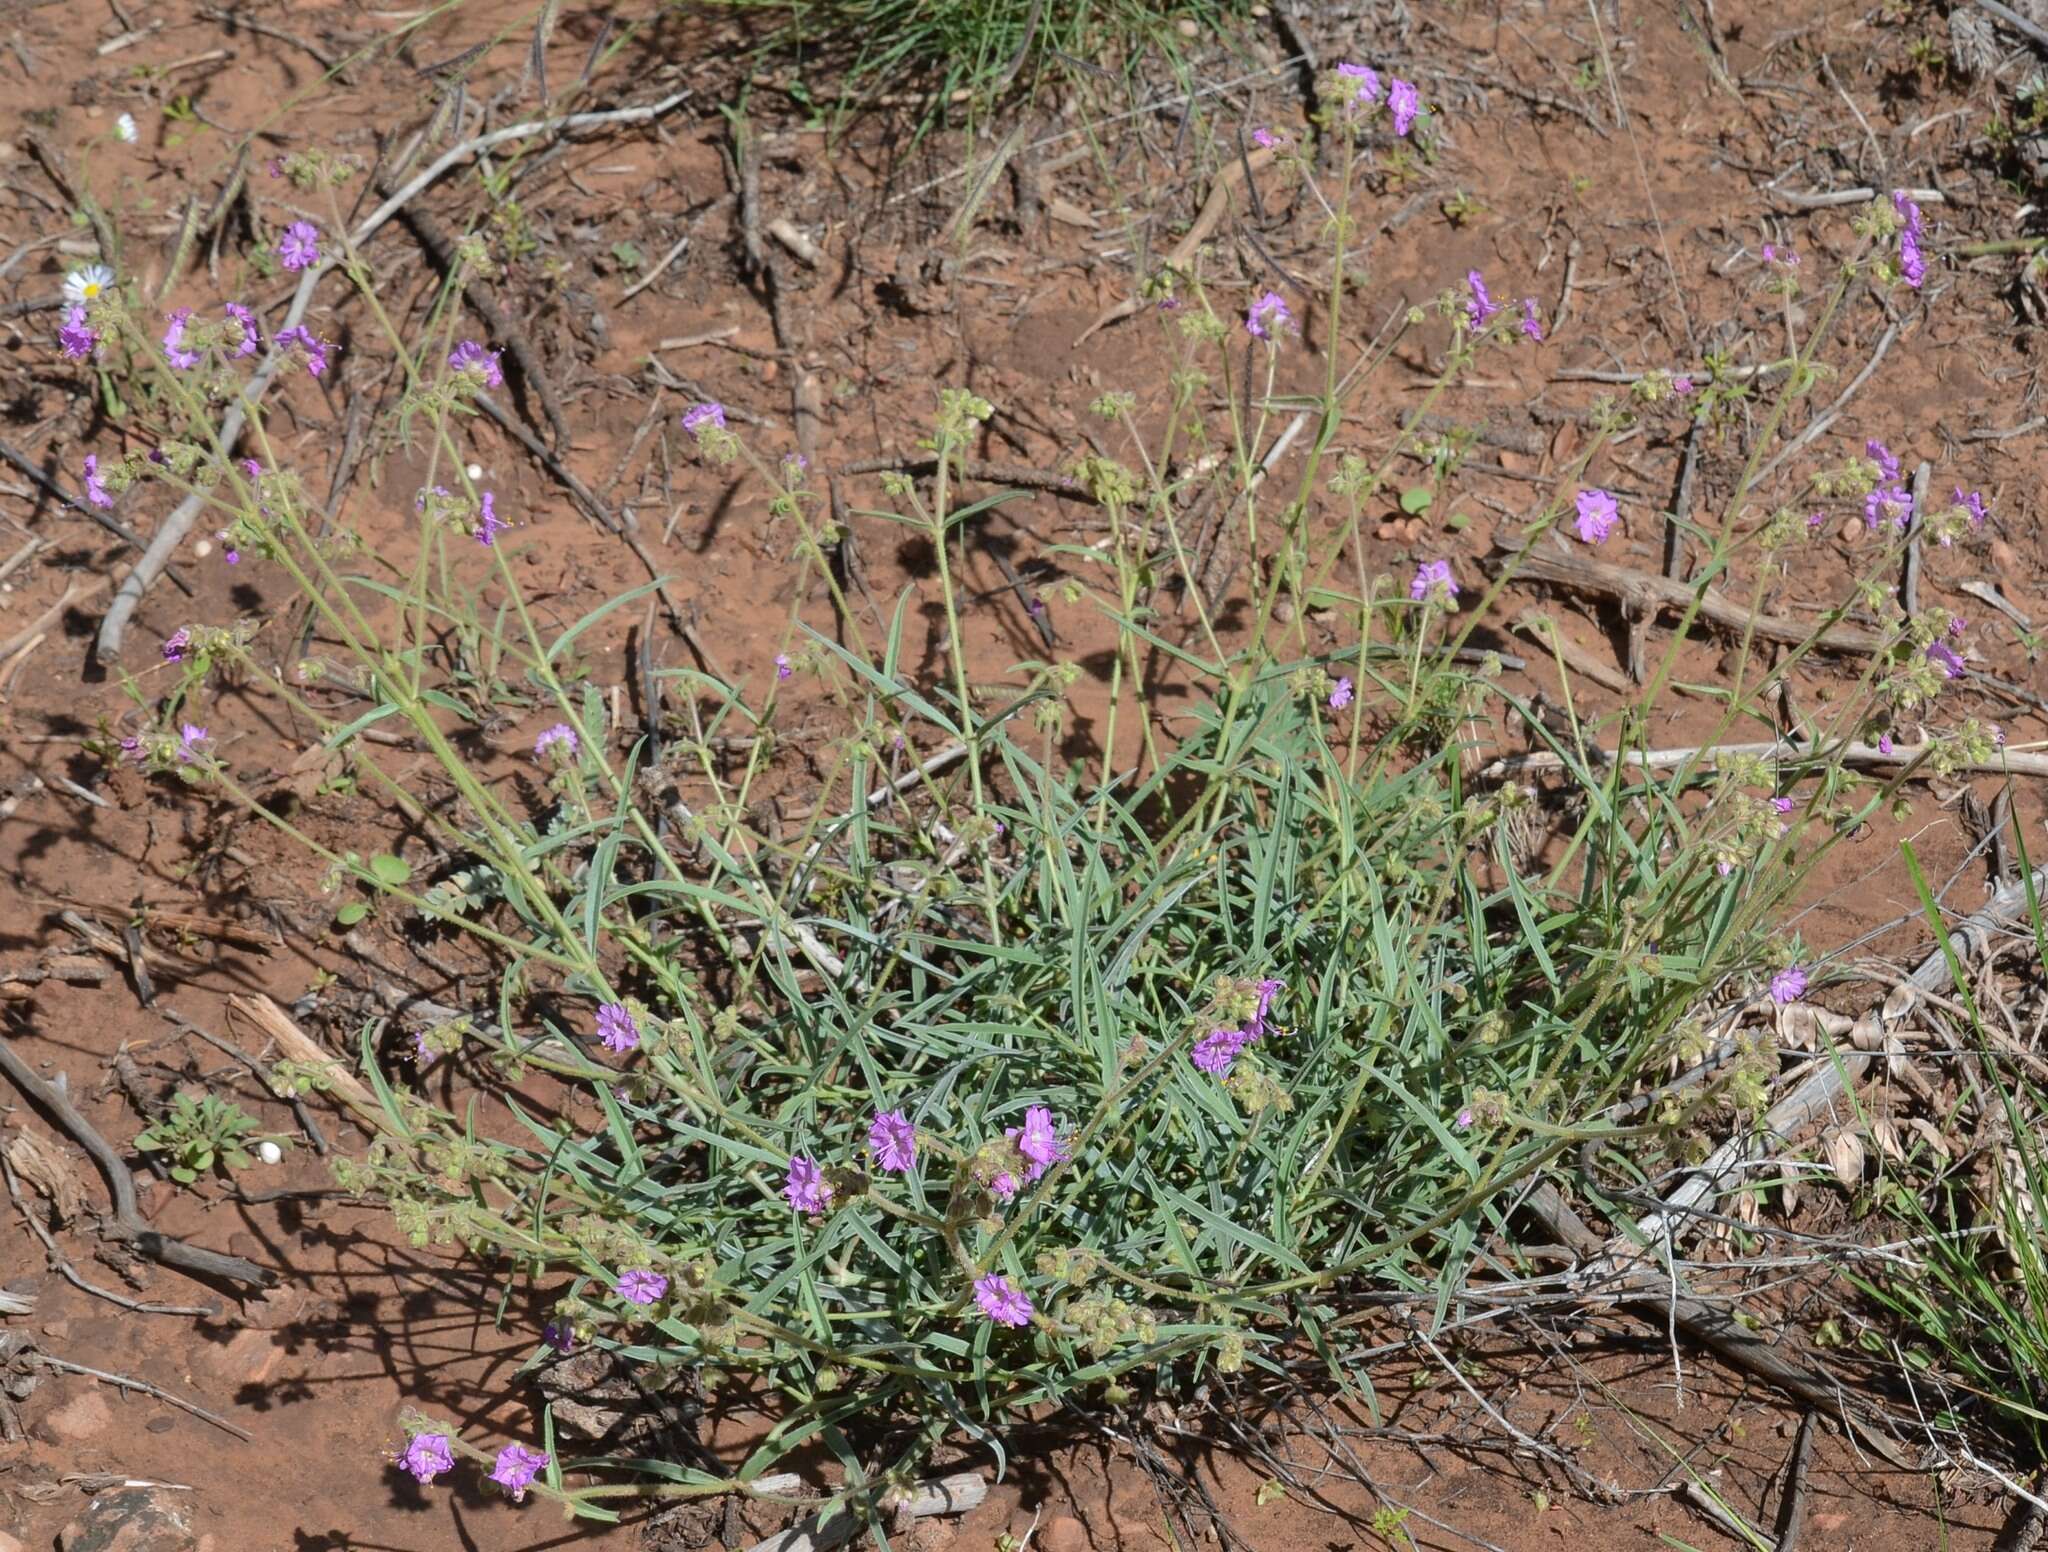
<point>88,282</point>
<point>124,126</point>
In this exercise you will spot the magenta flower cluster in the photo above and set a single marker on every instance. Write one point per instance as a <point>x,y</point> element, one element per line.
<point>1788,985</point>
<point>299,248</point>
<point>1003,1304</point>
<point>1912,263</point>
<point>75,337</point>
<point>1038,1139</point>
<point>1433,581</point>
<point>1269,316</point>
<point>473,360</point>
<point>893,1141</point>
<point>617,1029</point>
<point>1217,1052</point>
<point>427,1456</point>
<point>559,739</point>
<point>1889,501</point>
<point>1480,308</point>
<point>1404,103</point>
<point>1597,516</point>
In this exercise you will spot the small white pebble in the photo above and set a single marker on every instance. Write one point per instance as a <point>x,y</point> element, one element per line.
<point>475,471</point>
<point>203,548</point>
<point>269,1152</point>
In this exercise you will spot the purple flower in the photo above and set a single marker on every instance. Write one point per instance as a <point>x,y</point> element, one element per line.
<point>1004,1305</point>
<point>252,338</point>
<point>228,551</point>
<point>190,737</point>
<point>1788,985</point>
<point>1944,657</point>
<point>1782,805</point>
<point>894,1141</point>
<point>516,1468</point>
<point>559,1335</point>
<point>174,341</point>
<point>1465,1119</point>
<point>1368,80</point>
<point>472,359</point>
<point>807,1189</point>
<point>699,416</point>
<point>77,339</point>
<point>782,668</point>
<point>1815,521</point>
<point>1884,743</point>
<point>642,1287</point>
<point>490,524</point>
<point>1888,503</point>
<point>1973,503</point>
<point>617,1030</point>
<point>176,643</point>
<point>299,248</point>
<point>1340,696</point>
<point>1433,579</point>
<point>252,468</point>
<point>1912,264</point>
<point>304,339</point>
<point>1403,103</point>
<point>1268,315</point>
<point>1268,990</point>
<point>95,488</point>
<point>1481,307</point>
<point>1887,462</point>
<point>1531,324</point>
<point>1997,736</point>
<point>1787,257</point>
<point>560,737</point>
<point>1217,1052</point>
<point>426,1457</point>
<point>1265,139</point>
<point>1957,625</point>
<point>1597,516</point>
<point>1039,1138</point>
<point>1005,1186</point>
<point>1681,386</point>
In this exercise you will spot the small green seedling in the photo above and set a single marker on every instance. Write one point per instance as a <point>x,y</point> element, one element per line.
<point>200,1132</point>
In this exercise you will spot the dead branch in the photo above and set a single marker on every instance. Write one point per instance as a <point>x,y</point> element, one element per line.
<point>1640,591</point>
<point>129,1224</point>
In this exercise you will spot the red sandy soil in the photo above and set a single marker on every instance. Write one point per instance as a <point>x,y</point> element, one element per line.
<point>364,1324</point>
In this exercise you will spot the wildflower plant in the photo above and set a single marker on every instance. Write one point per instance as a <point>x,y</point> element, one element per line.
<point>1010,1077</point>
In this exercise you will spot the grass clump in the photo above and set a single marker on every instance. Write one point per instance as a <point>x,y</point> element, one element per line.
<point>971,51</point>
<point>1012,1077</point>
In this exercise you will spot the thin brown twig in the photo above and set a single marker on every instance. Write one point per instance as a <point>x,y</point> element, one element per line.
<point>129,1382</point>
<point>77,1279</point>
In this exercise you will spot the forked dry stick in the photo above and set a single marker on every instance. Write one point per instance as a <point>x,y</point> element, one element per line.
<point>1640,592</point>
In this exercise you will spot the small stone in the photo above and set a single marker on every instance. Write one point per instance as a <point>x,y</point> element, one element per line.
<point>133,1519</point>
<point>161,1424</point>
<point>81,1418</point>
<point>248,1357</point>
<point>1064,1533</point>
<point>1188,28</point>
<point>57,1328</point>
